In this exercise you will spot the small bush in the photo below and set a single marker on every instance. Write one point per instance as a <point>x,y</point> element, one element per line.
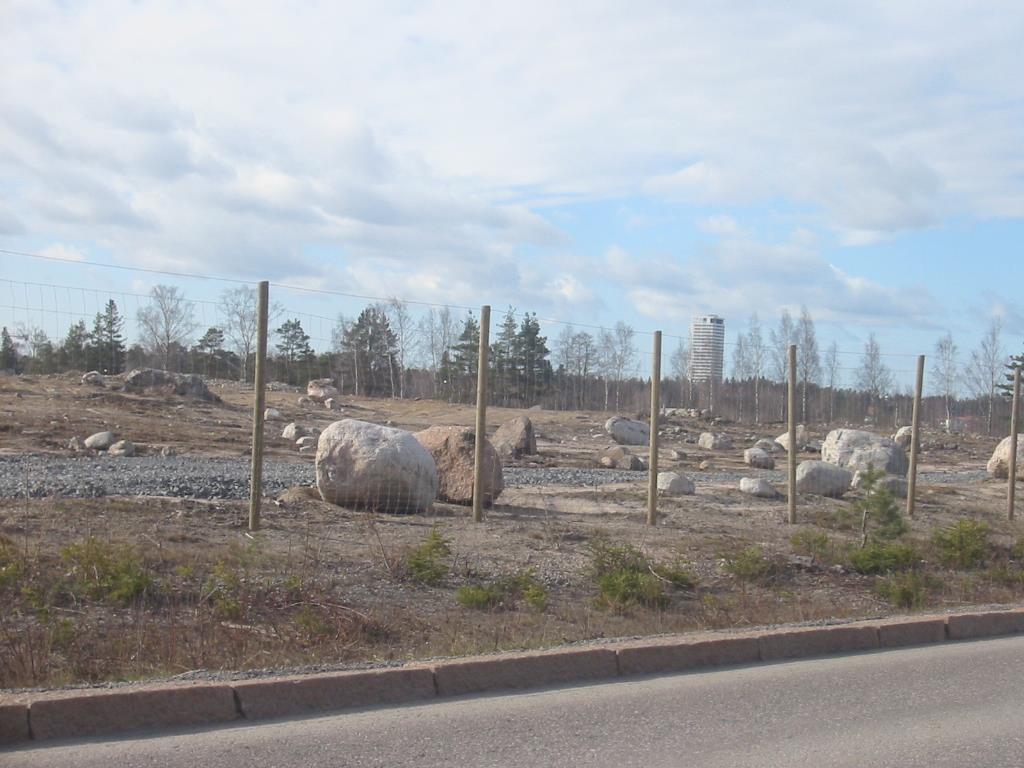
<point>426,563</point>
<point>751,564</point>
<point>676,575</point>
<point>884,558</point>
<point>11,565</point>
<point>810,542</point>
<point>106,571</point>
<point>480,596</point>
<point>505,593</point>
<point>907,590</point>
<point>626,577</point>
<point>964,544</point>
<point>624,588</point>
<point>223,588</point>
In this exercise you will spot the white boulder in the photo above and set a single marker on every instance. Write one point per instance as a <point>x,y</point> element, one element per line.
<point>714,442</point>
<point>857,449</point>
<point>903,437</point>
<point>758,486</point>
<point>271,414</point>
<point>822,478</point>
<point>999,465</point>
<point>675,484</point>
<point>896,485</point>
<point>801,438</point>
<point>100,441</point>
<point>122,448</point>
<point>628,431</point>
<point>294,431</point>
<point>93,378</point>
<point>319,390</point>
<point>366,465</point>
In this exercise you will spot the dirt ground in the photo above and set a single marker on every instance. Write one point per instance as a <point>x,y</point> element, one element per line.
<point>119,588</point>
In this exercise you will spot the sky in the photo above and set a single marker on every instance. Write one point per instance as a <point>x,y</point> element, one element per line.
<point>592,162</point>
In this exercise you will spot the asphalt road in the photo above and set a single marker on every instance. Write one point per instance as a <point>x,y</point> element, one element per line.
<point>951,705</point>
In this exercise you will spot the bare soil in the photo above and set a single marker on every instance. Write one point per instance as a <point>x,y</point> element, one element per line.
<point>100,590</point>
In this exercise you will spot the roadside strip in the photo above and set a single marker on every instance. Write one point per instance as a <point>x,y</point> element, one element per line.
<point>103,712</point>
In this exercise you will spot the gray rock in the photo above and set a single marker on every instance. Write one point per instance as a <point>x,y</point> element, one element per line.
<point>619,457</point>
<point>758,486</point>
<point>319,390</point>
<point>675,484</point>
<point>714,442</point>
<point>628,431</point>
<point>168,383</point>
<point>366,465</point>
<point>768,446</point>
<point>332,404</point>
<point>76,444</point>
<point>93,378</point>
<point>822,478</point>
<point>305,441</point>
<point>100,441</point>
<point>515,438</point>
<point>758,459</point>
<point>271,414</point>
<point>294,431</point>
<point>857,449</point>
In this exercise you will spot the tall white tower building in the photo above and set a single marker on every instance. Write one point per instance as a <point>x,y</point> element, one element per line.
<point>707,348</point>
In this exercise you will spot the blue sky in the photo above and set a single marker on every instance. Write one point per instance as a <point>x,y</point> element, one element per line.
<point>593,163</point>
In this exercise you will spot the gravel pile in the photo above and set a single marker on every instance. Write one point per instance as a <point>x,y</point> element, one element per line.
<point>35,476</point>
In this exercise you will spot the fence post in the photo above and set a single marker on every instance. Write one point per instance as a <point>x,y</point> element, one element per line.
<point>792,434</point>
<point>652,464</point>
<point>259,403</point>
<point>1011,491</point>
<point>915,437</point>
<point>481,415</point>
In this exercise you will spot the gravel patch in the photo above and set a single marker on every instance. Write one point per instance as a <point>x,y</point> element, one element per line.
<point>35,476</point>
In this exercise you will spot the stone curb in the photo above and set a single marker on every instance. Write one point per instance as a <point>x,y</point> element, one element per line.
<point>84,713</point>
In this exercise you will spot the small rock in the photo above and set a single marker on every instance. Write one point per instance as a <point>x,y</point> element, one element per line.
<point>271,414</point>
<point>714,442</point>
<point>822,478</point>
<point>758,486</point>
<point>706,465</point>
<point>305,441</point>
<point>294,431</point>
<point>332,404</point>
<point>122,448</point>
<point>801,438</point>
<point>93,378</point>
<point>628,431</point>
<point>675,484</point>
<point>758,459</point>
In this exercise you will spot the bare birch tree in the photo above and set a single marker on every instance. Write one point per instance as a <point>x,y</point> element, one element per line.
<point>985,367</point>
<point>945,374</point>
<point>167,322</point>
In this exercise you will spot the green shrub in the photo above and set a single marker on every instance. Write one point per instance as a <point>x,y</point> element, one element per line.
<point>223,589</point>
<point>677,575</point>
<point>11,565</point>
<point>751,564</point>
<point>964,544</point>
<point>906,590</point>
<point>810,542</point>
<point>106,571</point>
<point>426,563</point>
<point>625,588</point>
<point>881,557</point>
<point>505,593</point>
<point>879,507</point>
<point>626,577</point>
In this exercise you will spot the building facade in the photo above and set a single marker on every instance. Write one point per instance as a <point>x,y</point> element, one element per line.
<point>707,348</point>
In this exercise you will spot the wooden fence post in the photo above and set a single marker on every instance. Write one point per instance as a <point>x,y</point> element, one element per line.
<point>1011,491</point>
<point>793,448</point>
<point>915,437</point>
<point>652,464</point>
<point>259,403</point>
<point>481,415</point>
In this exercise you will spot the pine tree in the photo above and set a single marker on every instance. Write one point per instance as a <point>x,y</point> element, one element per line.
<point>535,371</point>
<point>74,352</point>
<point>503,360</point>
<point>371,348</point>
<point>464,356</point>
<point>209,351</point>
<point>1016,361</point>
<point>106,341</point>
<point>293,350</point>
<point>8,352</point>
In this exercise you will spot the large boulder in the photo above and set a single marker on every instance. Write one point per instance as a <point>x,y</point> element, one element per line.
<point>822,478</point>
<point>856,449</point>
<point>801,438</point>
<point>903,437</point>
<point>100,441</point>
<point>758,486</point>
<point>896,485</point>
<point>515,438</point>
<point>768,446</point>
<point>675,484</point>
<point>758,459</point>
<point>122,448</point>
<point>93,378</point>
<point>710,441</point>
<point>999,464</point>
<point>628,431</point>
<point>319,390</point>
<point>360,464</point>
<point>453,449</point>
<point>168,383</point>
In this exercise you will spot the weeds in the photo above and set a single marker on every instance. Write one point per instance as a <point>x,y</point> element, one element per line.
<point>816,544</point>
<point>505,593</point>
<point>752,564</point>
<point>906,590</point>
<point>426,563</point>
<point>106,571</point>
<point>626,577</point>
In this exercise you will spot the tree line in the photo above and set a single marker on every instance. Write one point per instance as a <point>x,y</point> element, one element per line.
<point>383,351</point>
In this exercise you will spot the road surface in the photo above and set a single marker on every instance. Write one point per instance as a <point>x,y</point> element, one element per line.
<point>950,705</point>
